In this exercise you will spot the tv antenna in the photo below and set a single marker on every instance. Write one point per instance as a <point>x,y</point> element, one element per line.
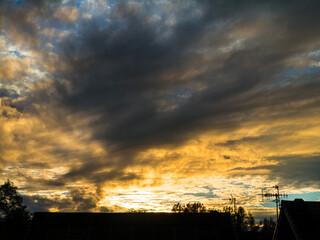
<point>276,195</point>
<point>232,201</point>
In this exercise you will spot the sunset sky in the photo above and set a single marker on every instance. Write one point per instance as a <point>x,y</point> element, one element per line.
<point>113,105</point>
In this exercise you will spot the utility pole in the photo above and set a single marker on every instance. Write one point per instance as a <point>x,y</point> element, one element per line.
<point>277,197</point>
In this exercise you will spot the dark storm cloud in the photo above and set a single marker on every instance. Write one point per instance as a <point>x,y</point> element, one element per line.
<point>132,73</point>
<point>10,93</point>
<point>76,200</point>
<point>152,78</point>
<point>8,107</point>
<point>22,22</point>
<point>43,183</point>
<point>41,2</point>
<point>115,174</point>
<point>296,170</point>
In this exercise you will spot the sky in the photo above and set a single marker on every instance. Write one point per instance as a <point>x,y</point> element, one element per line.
<point>108,106</point>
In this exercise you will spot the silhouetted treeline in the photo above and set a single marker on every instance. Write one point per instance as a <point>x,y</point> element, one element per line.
<point>247,228</point>
<point>243,221</point>
<point>195,207</point>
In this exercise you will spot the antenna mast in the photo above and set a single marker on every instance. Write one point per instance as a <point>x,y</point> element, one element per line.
<point>277,197</point>
<point>232,202</point>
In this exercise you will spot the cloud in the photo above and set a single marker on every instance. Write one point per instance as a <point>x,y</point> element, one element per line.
<point>297,170</point>
<point>22,22</point>
<point>119,73</point>
<point>22,30</point>
<point>8,93</point>
<point>66,14</point>
<point>13,68</point>
<point>292,172</point>
<point>76,200</point>
<point>148,93</point>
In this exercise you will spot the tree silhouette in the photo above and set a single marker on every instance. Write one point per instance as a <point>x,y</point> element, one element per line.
<point>195,207</point>
<point>251,222</point>
<point>243,221</point>
<point>11,202</point>
<point>13,212</point>
<point>240,220</point>
<point>268,227</point>
<point>178,208</point>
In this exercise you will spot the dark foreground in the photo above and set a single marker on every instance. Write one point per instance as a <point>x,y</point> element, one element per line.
<point>116,226</point>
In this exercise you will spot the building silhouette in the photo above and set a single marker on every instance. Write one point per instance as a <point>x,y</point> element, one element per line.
<point>298,220</point>
<point>131,226</point>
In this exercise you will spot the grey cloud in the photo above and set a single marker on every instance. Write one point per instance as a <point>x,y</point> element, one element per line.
<point>41,2</point>
<point>149,82</point>
<point>8,93</point>
<point>98,176</point>
<point>8,108</point>
<point>203,194</point>
<point>121,71</point>
<point>44,183</point>
<point>295,170</point>
<point>247,140</point>
<point>76,200</point>
<point>22,22</point>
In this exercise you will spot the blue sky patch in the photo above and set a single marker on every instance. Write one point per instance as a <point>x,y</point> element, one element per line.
<point>15,53</point>
<point>310,196</point>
